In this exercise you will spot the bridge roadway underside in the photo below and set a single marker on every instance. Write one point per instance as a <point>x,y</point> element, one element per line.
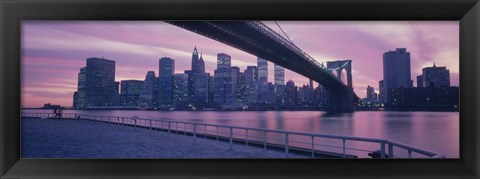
<point>249,37</point>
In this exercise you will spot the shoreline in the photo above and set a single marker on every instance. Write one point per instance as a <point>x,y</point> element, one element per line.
<point>356,110</point>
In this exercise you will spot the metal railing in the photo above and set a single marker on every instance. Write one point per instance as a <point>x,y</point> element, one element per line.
<point>263,137</point>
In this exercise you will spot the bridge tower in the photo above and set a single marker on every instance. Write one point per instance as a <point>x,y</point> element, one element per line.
<point>341,101</point>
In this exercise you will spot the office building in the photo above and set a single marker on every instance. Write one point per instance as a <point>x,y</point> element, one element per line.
<point>371,95</point>
<point>180,91</point>
<point>223,81</point>
<point>130,92</point>
<point>197,81</point>
<point>251,78</point>
<point>79,95</point>
<point>149,91</point>
<point>262,66</point>
<point>291,94</point>
<point>166,68</point>
<point>434,76</point>
<point>100,83</point>
<point>279,81</point>
<point>396,71</point>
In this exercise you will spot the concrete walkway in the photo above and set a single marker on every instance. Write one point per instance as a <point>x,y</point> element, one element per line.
<point>53,138</point>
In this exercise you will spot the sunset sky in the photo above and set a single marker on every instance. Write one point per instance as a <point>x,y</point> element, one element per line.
<point>54,51</point>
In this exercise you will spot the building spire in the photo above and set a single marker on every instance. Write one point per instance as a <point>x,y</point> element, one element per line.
<point>195,52</point>
<point>434,65</point>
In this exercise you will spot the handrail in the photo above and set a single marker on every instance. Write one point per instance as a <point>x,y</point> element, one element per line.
<point>383,142</point>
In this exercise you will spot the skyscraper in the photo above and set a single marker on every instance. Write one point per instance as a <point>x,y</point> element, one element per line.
<point>239,85</point>
<point>99,82</point>
<point>306,94</point>
<point>262,79</point>
<point>235,72</point>
<point>279,81</point>
<point>371,94</point>
<point>149,91</point>
<point>322,96</point>
<point>420,81</point>
<point>197,81</point>
<point>210,89</point>
<point>79,96</point>
<point>291,93</point>
<point>381,88</point>
<point>270,94</point>
<point>434,76</point>
<point>251,77</point>
<point>130,92</point>
<point>223,82</point>
<point>166,68</point>
<point>180,90</point>
<point>279,75</point>
<point>396,71</point>
<point>198,65</point>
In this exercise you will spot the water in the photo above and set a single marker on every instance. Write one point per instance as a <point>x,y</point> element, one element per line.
<point>436,131</point>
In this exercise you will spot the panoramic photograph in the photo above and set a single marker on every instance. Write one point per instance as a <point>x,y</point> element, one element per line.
<point>240,89</point>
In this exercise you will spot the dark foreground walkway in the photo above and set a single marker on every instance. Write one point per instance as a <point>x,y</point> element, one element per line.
<point>52,138</point>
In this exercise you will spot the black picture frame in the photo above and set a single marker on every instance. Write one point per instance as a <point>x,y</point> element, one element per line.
<point>12,12</point>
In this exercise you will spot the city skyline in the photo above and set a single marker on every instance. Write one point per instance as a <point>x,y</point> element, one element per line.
<point>44,54</point>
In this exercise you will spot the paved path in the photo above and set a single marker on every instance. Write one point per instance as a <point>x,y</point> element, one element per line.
<point>51,138</point>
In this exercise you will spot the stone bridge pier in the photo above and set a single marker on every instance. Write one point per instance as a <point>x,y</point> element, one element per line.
<point>341,101</point>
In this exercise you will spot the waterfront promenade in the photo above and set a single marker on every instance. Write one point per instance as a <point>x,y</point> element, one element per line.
<point>67,138</point>
<point>232,136</point>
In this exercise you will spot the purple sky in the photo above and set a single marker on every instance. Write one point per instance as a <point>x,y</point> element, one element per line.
<point>54,51</point>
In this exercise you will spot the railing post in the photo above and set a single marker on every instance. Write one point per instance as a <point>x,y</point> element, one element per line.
<point>185,131</point>
<point>409,153</point>
<point>313,147</point>
<point>205,130</point>
<point>246,137</point>
<point>169,127</point>
<point>231,135</point>
<point>265,140</point>
<point>382,150</point>
<point>195,132</point>
<point>217,134</point>
<point>286,144</point>
<point>150,124</point>
<point>390,150</point>
<point>343,140</point>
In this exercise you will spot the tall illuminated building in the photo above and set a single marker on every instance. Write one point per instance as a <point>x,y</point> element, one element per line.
<point>262,66</point>
<point>223,81</point>
<point>166,68</point>
<point>100,82</point>
<point>396,71</point>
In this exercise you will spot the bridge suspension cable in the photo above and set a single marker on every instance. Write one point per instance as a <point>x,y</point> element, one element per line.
<point>284,33</point>
<point>291,41</point>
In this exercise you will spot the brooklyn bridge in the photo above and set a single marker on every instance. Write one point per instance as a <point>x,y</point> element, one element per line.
<point>258,39</point>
